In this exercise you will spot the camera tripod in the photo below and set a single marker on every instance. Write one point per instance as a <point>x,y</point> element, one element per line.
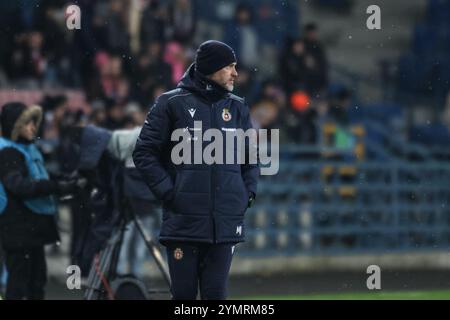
<point>103,281</point>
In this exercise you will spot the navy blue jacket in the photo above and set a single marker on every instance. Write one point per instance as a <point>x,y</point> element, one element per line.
<point>201,203</point>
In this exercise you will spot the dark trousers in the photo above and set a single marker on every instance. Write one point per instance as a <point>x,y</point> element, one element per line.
<point>204,266</point>
<point>81,220</point>
<point>27,273</point>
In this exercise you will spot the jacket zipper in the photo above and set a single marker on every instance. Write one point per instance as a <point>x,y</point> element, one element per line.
<point>213,187</point>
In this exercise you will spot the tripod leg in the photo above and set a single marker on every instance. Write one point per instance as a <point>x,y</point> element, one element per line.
<point>154,250</point>
<point>104,265</point>
<point>90,284</point>
<point>100,261</point>
<point>93,283</point>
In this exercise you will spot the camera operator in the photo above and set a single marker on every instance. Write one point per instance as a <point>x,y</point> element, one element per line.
<point>139,201</point>
<point>27,205</point>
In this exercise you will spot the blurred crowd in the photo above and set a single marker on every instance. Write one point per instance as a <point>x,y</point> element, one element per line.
<point>128,52</point>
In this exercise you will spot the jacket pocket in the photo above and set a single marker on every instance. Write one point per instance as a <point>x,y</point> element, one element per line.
<point>192,192</point>
<point>232,198</point>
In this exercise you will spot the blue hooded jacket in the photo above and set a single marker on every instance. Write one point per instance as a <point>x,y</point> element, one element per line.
<point>37,171</point>
<point>201,202</point>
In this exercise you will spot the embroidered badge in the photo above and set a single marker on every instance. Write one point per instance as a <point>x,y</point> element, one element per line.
<point>226,115</point>
<point>178,254</point>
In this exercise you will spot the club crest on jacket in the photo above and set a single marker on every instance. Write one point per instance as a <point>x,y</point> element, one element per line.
<point>178,254</point>
<point>226,115</point>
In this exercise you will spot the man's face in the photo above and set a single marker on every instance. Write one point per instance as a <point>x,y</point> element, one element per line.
<point>226,76</point>
<point>28,131</point>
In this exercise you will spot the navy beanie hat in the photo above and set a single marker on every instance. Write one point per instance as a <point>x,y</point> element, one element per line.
<point>212,56</point>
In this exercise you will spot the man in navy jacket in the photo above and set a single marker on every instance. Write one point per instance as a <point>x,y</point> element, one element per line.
<point>203,205</point>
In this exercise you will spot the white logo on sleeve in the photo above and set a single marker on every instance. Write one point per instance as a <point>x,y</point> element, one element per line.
<point>239,230</point>
<point>192,112</point>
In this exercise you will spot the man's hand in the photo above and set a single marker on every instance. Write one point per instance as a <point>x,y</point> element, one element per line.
<point>251,199</point>
<point>65,187</point>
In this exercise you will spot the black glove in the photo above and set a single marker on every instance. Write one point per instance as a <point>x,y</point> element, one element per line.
<point>82,183</point>
<point>251,199</point>
<point>65,187</point>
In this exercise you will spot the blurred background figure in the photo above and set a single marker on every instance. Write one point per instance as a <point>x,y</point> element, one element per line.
<point>316,61</point>
<point>242,36</point>
<point>181,21</point>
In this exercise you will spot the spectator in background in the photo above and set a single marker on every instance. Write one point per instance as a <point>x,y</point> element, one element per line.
<point>137,198</point>
<point>301,70</point>
<point>264,113</point>
<point>246,84</point>
<point>242,36</point>
<point>52,24</point>
<point>152,24</point>
<point>109,81</point>
<point>122,93</point>
<point>115,116</point>
<point>318,79</point>
<point>98,114</point>
<point>339,104</point>
<point>295,66</point>
<point>303,117</point>
<point>271,89</point>
<point>97,24</point>
<point>181,26</point>
<point>28,217</point>
<point>54,108</point>
<point>57,120</point>
<point>28,60</point>
<point>270,110</point>
<point>87,42</point>
<point>101,74</point>
<point>134,116</point>
<point>151,70</point>
<point>10,27</point>
<point>175,55</point>
<point>117,27</point>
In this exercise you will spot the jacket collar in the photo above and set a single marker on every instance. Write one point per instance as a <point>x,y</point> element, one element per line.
<point>196,82</point>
